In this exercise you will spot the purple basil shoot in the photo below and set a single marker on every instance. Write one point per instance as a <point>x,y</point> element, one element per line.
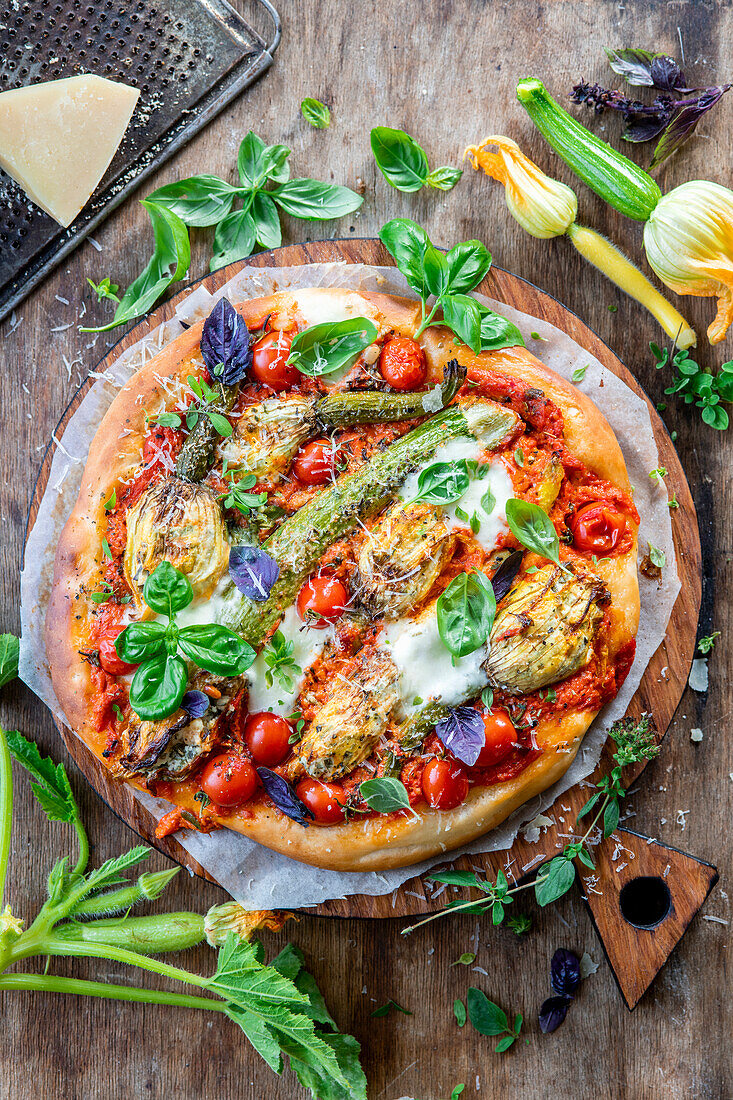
<point>253,571</point>
<point>284,797</point>
<point>565,972</point>
<point>462,731</point>
<point>552,1013</point>
<point>225,344</point>
<point>196,703</point>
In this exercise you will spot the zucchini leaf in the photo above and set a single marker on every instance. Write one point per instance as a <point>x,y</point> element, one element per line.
<point>9,653</point>
<point>50,783</point>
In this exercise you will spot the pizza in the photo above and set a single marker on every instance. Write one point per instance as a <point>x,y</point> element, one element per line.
<point>355,595</point>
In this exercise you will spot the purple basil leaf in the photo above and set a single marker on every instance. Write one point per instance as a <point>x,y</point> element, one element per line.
<point>503,578</point>
<point>196,703</point>
<point>683,122</point>
<point>565,972</point>
<point>635,66</point>
<point>253,571</point>
<point>284,797</point>
<point>462,731</point>
<point>666,73</point>
<point>644,127</point>
<point>225,344</point>
<point>552,1013</point>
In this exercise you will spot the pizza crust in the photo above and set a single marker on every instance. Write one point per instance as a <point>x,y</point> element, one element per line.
<point>373,843</point>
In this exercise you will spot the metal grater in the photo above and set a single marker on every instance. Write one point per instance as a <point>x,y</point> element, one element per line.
<point>189,58</point>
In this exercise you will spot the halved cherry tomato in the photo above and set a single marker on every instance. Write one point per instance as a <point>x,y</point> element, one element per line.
<point>109,658</point>
<point>499,738</point>
<point>267,736</point>
<point>444,783</point>
<point>229,779</point>
<point>324,800</point>
<point>315,463</point>
<point>270,360</point>
<point>320,600</point>
<point>598,528</point>
<point>402,363</point>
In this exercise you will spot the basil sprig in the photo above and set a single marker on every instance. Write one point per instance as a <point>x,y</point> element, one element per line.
<point>207,201</point>
<point>531,526</point>
<point>448,277</point>
<point>466,611</point>
<point>160,682</point>
<point>443,482</point>
<point>404,165</point>
<point>331,346</point>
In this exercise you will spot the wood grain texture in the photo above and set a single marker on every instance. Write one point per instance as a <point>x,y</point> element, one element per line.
<point>445,70</point>
<point>660,689</point>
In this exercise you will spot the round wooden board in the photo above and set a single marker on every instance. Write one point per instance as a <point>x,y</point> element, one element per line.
<point>657,694</point>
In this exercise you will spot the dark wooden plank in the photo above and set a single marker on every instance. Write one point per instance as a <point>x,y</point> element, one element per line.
<point>657,694</point>
<point>445,72</point>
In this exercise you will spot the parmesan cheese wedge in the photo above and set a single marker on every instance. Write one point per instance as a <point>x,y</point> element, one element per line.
<point>58,138</point>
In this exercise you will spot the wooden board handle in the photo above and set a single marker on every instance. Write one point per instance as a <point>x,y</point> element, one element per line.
<point>642,897</point>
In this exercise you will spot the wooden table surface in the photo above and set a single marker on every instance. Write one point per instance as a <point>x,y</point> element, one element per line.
<point>444,70</point>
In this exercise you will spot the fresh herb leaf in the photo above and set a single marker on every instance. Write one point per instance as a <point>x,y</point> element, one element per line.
<point>399,158</point>
<point>331,346</point>
<point>278,656</point>
<point>657,557</point>
<point>315,201</point>
<point>106,550</point>
<point>488,1019</point>
<point>556,879</point>
<point>284,797</point>
<point>9,656</point>
<point>443,482</point>
<point>234,239</point>
<point>459,1011</point>
<point>168,420</point>
<point>658,474</point>
<point>466,959</point>
<point>533,528</point>
<point>552,1013</point>
<point>462,731</point>
<point>198,200</point>
<point>167,589</point>
<point>519,457</point>
<point>384,794</point>
<point>253,571</point>
<point>704,645</point>
<point>520,923</point>
<point>444,179</point>
<point>384,1010</point>
<point>111,502</point>
<point>565,972</point>
<point>105,289</point>
<point>579,373</point>
<point>316,113</point>
<point>465,613</point>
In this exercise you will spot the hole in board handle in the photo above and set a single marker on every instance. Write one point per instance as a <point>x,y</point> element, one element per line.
<point>645,901</point>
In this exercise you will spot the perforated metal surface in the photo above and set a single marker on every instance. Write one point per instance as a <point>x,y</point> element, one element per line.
<point>188,58</point>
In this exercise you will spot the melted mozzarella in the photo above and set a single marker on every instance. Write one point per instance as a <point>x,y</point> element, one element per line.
<point>316,308</point>
<point>492,525</point>
<point>307,645</point>
<point>428,671</point>
<point>207,610</point>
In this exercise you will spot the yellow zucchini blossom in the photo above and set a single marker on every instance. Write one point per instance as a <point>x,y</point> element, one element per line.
<point>546,208</point>
<point>689,243</point>
<point>221,920</point>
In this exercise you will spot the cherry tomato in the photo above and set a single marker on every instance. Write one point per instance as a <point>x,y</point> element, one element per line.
<point>314,464</point>
<point>109,658</point>
<point>499,738</point>
<point>444,783</point>
<point>229,779</point>
<point>324,800</point>
<point>598,528</point>
<point>270,360</point>
<point>267,736</point>
<point>320,600</point>
<point>402,363</point>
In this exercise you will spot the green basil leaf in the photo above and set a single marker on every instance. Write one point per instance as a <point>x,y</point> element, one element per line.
<point>216,649</point>
<point>488,502</point>
<point>486,1017</point>
<point>158,687</point>
<point>266,221</point>
<point>384,795</point>
<point>533,528</point>
<point>504,1044</point>
<point>407,243</point>
<point>399,158</point>
<point>459,1011</point>
<point>197,200</point>
<point>315,200</point>
<point>316,113</point>
<point>435,266</point>
<point>461,315</point>
<point>169,263</point>
<point>445,178</point>
<point>250,160</point>
<point>497,332</point>
<point>140,642</point>
<point>275,163</point>
<point>560,877</point>
<point>466,611</point>
<point>443,482</point>
<point>167,590</point>
<point>468,264</point>
<point>234,239</point>
<point>333,345</point>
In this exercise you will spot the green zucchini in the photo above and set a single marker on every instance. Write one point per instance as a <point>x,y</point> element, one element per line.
<point>198,451</point>
<point>618,181</point>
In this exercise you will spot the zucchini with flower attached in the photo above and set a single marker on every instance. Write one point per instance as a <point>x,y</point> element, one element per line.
<point>301,541</point>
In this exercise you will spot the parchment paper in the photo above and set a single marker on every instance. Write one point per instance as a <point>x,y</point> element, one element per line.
<point>256,876</point>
